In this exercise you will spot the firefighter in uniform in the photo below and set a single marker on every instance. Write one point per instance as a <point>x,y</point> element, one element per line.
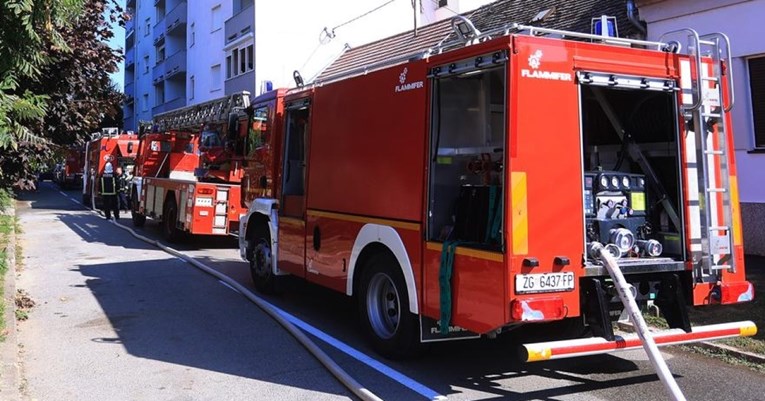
<point>109,192</point>
<point>122,187</point>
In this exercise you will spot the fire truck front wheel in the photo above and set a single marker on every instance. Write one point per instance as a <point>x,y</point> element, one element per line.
<point>383,308</point>
<point>261,269</point>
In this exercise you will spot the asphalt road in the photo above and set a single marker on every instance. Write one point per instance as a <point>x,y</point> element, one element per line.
<point>118,319</point>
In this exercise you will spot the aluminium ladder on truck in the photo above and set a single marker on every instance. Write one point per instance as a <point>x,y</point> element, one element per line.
<point>210,112</point>
<point>711,196</point>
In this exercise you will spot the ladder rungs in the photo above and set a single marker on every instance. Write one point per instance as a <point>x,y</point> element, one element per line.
<point>719,228</point>
<point>712,115</point>
<point>720,267</point>
<point>714,152</point>
<point>717,190</point>
<point>711,79</point>
<point>707,42</point>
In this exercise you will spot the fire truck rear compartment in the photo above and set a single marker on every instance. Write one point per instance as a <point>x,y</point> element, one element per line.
<point>632,189</point>
<point>632,181</point>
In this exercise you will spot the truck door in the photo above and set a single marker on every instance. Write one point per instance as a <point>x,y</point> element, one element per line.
<point>292,235</point>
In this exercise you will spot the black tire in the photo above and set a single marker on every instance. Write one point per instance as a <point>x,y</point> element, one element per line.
<point>170,229</point>
<point>260,257</point>
<point>138,219</point>
<point>383,305</point>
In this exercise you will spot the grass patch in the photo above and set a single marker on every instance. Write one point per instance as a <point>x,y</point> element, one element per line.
<point>7,226</point>
<point>754,310</point>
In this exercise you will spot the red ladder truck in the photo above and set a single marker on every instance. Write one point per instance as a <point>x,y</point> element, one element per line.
<point>107,146</point>
<point>188,172</point>
<point>463,190</point>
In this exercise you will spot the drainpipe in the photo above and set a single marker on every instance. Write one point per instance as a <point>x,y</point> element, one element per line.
<point>632,16</point>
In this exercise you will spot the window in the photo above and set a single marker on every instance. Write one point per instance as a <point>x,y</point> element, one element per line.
<point>242,60</point>
<point>235,68</point>
<point>443,3</point>
<point>160,54</point>
<point>145,64</point>
<point>217,18</point>
<point>145,105</point>
<point>468,128</point>
<point>192,37</point>
<point>147,31</point>
<point>757,87</point>
<point>192,82</point>
<point>215,78</point>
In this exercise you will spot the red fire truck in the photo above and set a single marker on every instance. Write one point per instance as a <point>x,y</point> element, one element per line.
<point>110,146</point>
<point>462,191</point>
<point>69,173</point>
<point>188,172</point>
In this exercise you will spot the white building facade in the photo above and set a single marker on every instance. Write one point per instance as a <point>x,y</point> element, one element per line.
<point>305,35</point>
<point>742,21</point>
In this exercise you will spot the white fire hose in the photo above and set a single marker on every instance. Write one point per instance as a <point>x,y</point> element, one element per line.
<point>625,294</point>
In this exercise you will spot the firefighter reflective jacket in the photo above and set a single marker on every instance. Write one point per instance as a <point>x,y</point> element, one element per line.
<point>108,185</point>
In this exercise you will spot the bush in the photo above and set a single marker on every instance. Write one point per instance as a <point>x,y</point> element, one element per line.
<point>6,198</point>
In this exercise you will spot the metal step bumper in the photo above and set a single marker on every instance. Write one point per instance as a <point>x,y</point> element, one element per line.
<point>550,350</point>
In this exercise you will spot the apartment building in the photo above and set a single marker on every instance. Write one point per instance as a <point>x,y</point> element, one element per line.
<point>173,55</point>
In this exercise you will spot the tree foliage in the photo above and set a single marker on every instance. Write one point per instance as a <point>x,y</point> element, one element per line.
<point>54,78</point>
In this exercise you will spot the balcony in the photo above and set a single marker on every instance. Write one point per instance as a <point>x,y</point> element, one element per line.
<point>129,90</point>
<point>171,66</point>
<point>159,32</point>
<point>176,18</point>
<point>240,24</point>
<point>173,22</point>
<point>176,103</point>
<point>129,58</point>
<point>243,82</point>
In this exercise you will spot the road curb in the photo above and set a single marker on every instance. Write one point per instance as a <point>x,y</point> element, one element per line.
<point>710,346</point>
<point>9,350</point>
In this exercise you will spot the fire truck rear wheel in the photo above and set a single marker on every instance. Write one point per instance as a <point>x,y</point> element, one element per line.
<point>138,219</point>
<point>169,222</point>
<point>383,304</point>
<point>261,269</point>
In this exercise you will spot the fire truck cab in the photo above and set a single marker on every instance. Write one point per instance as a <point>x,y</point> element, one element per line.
<point>460,191</point>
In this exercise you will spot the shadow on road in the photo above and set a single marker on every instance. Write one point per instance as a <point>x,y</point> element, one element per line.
<point>163,310</point>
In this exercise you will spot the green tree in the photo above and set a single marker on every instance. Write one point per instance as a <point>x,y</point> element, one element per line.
<point>54,79</point>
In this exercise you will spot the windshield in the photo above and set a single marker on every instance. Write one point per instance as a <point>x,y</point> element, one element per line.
<point>210,139</point>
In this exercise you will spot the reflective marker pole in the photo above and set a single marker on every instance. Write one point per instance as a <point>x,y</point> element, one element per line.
<point>623,288</point>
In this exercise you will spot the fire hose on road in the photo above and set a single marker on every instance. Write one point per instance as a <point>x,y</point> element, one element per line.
<point>628,299</point>
<point>341,375</point>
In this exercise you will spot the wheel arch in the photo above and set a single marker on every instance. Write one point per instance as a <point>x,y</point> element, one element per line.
<point>371,240</point>
<point>261,212</point>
